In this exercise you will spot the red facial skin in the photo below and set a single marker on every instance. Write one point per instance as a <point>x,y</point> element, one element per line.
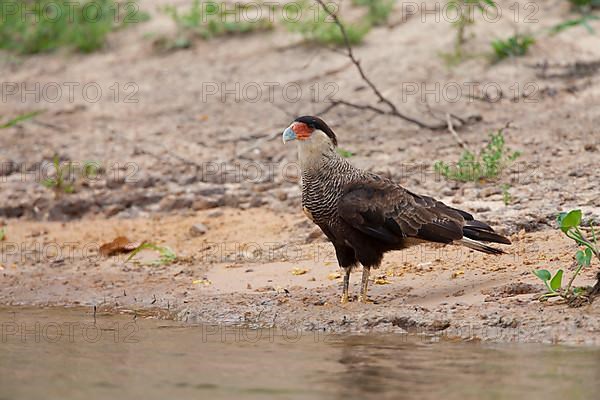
<point>302,130</point>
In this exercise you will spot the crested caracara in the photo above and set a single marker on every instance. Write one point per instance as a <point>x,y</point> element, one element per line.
<point>365,215</point>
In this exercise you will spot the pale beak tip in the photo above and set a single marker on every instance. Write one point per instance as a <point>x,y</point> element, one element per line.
<point>288,135</point>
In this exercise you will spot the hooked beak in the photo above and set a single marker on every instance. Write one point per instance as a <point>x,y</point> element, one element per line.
<point>288,135</point>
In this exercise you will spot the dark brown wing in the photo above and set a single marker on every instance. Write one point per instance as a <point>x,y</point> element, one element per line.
<point>388,212</point>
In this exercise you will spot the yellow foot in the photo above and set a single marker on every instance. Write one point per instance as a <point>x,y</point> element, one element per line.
<point>365,300</point>
<point>344,299</point>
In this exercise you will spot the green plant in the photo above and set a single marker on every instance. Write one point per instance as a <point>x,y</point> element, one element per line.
<point>59,183</point>
<point>2,234</point>
<point>211,19</point>
<point>90,170</point>
<point>378,11</point>
<point>584,8</point>
<point>584,5</point>
<point>320,29</point>
<point>583,21</point>
<point>485,165</point>
<point>465,10</point>
<point>51,24</point>
<point>166,255</point>
<point>514,46</point>
<point>506,196</point>
<point>20,118</point>
<point>344,153</point>
<point>570,224</point>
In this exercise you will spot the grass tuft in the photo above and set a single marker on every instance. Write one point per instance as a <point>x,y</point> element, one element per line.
<point>210,19</point>
<point>514,46</point>
<point>20,118</point>
<point>487,164</point>
<point>320,29</point>
<point>37,26</point>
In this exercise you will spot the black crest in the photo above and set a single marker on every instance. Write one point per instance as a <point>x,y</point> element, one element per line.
<point>318,123</point>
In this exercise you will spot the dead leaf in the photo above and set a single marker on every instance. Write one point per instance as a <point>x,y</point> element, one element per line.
<point>204,282</point>
<point>381,280</point>
<point>334,275</point>
<point>299,271</point>
<point>456,274</point>
<point>118,246</point>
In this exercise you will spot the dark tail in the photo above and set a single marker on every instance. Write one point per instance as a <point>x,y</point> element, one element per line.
<point>475,232</point>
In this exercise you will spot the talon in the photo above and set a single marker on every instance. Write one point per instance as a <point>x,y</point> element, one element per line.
<point>365,300</point>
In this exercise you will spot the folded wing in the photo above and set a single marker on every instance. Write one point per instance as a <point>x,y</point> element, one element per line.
<point>389,213</point>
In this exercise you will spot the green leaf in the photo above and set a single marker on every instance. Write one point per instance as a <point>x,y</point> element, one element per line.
<point>166,255</point>
<point>583,21</point>
<point>344,153</point>
<point>588,256</point>
<point>21,118</point>
<point>543,274</point>
<point>556,282</point>
<point>584,258</point>
<point>49,183</point>
<point>569,220</point>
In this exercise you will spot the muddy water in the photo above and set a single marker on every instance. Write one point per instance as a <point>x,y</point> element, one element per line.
<point>67,354</point>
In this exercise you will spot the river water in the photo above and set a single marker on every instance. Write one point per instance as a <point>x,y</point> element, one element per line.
<point>70,354</point>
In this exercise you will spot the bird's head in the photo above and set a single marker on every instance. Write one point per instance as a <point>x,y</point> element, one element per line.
<point>310,132</point>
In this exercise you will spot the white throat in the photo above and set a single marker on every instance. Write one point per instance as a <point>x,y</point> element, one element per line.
<point>312,152</point>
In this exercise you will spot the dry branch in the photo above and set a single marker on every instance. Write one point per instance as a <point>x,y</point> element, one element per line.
<point>460,142</point>
<point>393,110</point>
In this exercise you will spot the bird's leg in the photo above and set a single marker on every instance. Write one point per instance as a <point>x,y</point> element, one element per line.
<point>364,285</point>
<point>346,285</point>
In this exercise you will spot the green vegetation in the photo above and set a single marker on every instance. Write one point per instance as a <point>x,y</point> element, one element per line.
<point>487,164</point>
<point>68,175</point>
<point>570,224</point>
<point>514,46</point>
<point>2,234</point>
<point>585,6</point>
<point>60,183</point>
<point>506,196</point>
<point>208,20</point>
<point>166,255</point>
<point>378,11</point>
<point>319,28</point>
<point>583,21</point>
<point>465,10</point>
<point>45,25</point>
<point>344,153</point>
<point>20,118</point>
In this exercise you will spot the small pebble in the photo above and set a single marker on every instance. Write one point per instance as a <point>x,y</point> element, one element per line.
<point>198,230</point>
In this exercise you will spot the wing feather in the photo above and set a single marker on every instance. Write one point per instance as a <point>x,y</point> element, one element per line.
<point>388,212</point>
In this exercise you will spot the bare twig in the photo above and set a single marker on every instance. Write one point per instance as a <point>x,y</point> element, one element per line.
<point>350,54</point>
<point>329,107</point>
<point>460,142</point>
<point>369,107</point>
